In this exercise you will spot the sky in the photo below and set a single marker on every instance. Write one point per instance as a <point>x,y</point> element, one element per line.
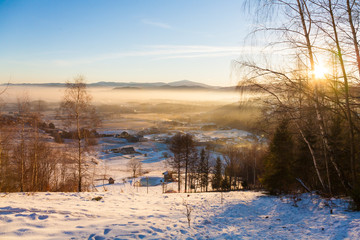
<point>45,41</point>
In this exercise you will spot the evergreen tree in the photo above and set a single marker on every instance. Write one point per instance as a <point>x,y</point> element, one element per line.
<point>225,184</point>
<point>203,170</point>
<point>216,181</point>
<point>277,176</point>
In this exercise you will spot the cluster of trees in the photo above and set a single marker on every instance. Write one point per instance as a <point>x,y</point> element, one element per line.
<point>243,165</point>
<point>316,115</point>
<point>29,161</point>
<point>90,136</point>
<point>186,159</point>
<point>196,171</point>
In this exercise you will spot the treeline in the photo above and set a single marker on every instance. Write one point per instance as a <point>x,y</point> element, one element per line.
<point>196,170</point>
<point>30,160</point>
<point>313,98</point>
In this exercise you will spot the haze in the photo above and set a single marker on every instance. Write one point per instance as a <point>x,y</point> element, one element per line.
<point>106,95</point>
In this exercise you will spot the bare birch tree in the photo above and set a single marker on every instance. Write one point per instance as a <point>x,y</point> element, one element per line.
<point>78,114</point>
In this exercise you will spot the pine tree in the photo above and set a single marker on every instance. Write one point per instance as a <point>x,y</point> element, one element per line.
<point>277,176</point>
<point>203,170</point>
<point>217,179</point>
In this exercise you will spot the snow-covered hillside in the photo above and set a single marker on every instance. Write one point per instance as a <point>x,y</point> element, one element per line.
<point>128,212</point>
<point>125,212</point>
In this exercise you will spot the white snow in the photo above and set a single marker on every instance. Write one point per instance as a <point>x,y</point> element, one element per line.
<point>126,212</point>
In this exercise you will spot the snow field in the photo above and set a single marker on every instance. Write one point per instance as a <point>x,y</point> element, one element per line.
<point>125,212</point>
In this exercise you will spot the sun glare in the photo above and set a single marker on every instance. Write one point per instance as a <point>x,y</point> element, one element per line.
<point>320,72</point>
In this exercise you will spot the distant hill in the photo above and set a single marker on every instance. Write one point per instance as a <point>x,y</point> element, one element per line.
<point>35,84</point>
<point>188,83</point>
<point>126,84</point>
<point>177,85</point>
<point>183,84</point>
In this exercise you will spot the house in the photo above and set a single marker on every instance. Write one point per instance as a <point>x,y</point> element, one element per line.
<point>168,176</point>
<point>124,135</point>
<point>111,180</point>
<point>132,139</point>
<point>127,150</point>
<point>124,150</point>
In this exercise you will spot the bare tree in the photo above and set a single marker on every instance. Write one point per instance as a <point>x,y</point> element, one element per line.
<point>78,114</point>
<point>7,135</point>
<point>176,161</point>
<point>314,30</point>
<point>189,210</point>
<point>135,167</point>
<point>183,148</point>
<point>23,105</point>
<point>232,160</point>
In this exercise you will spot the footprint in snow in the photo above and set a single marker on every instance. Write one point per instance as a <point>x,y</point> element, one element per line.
<point>43,217</point>
<point>22,230</point>
<point>99,238</point>
<point>107,230</point>
<point>121,225</point>
<point>94,237</point>
<point>157,229</point>
<point>6,219</point>
<point>148,231</point>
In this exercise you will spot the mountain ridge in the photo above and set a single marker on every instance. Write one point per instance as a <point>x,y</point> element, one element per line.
<point>182,84</point>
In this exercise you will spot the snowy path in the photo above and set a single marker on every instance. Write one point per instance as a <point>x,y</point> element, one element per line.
<point>128,214</point>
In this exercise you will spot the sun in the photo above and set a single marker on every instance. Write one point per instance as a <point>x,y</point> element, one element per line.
<point>320,72</point>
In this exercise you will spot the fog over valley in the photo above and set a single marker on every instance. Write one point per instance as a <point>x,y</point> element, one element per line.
<point>109,95</point>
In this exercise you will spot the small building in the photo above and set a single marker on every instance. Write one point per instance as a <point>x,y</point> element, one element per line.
<point>127,150</point>
<point>124,150</point>
<point>168,176</point>
<point>132,139</point>
<point>124,135</point>
<point>111,180</point>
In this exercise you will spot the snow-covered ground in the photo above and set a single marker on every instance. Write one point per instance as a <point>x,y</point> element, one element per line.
<point>125,212</point>
<point>128,212</point>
